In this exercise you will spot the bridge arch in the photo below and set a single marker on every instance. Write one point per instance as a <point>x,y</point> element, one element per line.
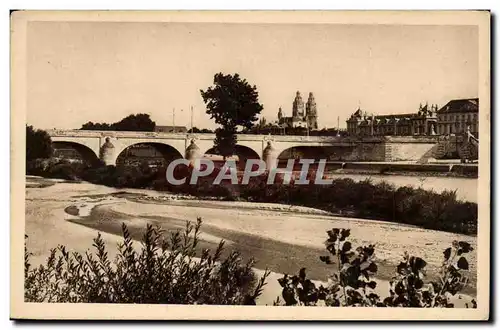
<point>154,152</point>
<point>310,152</point>
<point>243,152</point>
<point>75,150</point>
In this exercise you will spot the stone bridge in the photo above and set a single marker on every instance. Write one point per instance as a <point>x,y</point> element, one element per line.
<point>91,143</point>
<point>108,145</point>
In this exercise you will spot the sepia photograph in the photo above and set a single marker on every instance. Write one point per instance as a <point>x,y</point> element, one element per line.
<point>250,165</point>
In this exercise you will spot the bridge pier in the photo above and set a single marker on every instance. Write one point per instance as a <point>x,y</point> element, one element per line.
<point>107,153</point>
<point>270,157</point>
<point>193,153</point>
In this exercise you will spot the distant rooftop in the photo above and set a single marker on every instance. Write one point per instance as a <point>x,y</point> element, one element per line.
<point>461,105</point>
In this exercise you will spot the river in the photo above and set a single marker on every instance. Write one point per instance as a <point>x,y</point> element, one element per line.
<point>280,237</point>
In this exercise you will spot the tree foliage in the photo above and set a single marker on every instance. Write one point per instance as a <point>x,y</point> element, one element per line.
<point>38,144</point>
<point>91,126</point>
<point>139,123</point>
<point>232,102</point>
<point>164,271</point>
<point>353,282</point>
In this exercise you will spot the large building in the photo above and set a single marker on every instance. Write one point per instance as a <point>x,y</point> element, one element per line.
<point>305,116</point>
<point>458,116</point>
<point>423,122</point>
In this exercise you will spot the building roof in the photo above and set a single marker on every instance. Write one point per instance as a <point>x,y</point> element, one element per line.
<point>397,116</point>
<point>461,105</point>
<point>357,115</point>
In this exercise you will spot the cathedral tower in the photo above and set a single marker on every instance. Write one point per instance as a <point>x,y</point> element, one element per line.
<point>298,107</point>
<point>311,112</point>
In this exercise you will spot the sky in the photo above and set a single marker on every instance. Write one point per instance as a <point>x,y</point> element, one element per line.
<point>103,71</point>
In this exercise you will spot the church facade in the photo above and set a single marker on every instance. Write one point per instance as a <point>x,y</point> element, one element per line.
<point>303,115</point>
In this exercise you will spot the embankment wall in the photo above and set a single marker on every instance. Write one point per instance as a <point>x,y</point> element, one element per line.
<point>385,149</point>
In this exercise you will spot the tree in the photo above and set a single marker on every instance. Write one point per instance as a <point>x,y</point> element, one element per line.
<point>96,127</point>
<point>38,144</point>
<point>232,102</point>
<point>140,123</point>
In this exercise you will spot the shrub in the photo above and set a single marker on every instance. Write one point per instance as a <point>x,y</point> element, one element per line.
<point>352,284</point>
<point>122,176</point>
<point>55,168</point>
<point>408,288</point>
<point>164,271</point>
<point>37,167</point>
<point>66,171</point>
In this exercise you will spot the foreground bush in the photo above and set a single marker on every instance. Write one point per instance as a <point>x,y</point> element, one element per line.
<point>168,273</point>
<point>352,284</point>
<point>163,272</point>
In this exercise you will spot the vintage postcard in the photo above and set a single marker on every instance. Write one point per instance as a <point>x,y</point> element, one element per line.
<point>250,165</point>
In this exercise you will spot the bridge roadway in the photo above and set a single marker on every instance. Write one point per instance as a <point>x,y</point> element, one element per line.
<point>108,145</point>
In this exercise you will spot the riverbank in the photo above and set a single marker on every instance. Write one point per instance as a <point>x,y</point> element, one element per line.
<point>414,204</point>
<point>281,240</point>
<point>405,169</point>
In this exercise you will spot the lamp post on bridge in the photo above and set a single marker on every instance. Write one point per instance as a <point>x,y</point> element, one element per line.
<point>173,119</point>
<point>338,126</point>
<point>192,126</point>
